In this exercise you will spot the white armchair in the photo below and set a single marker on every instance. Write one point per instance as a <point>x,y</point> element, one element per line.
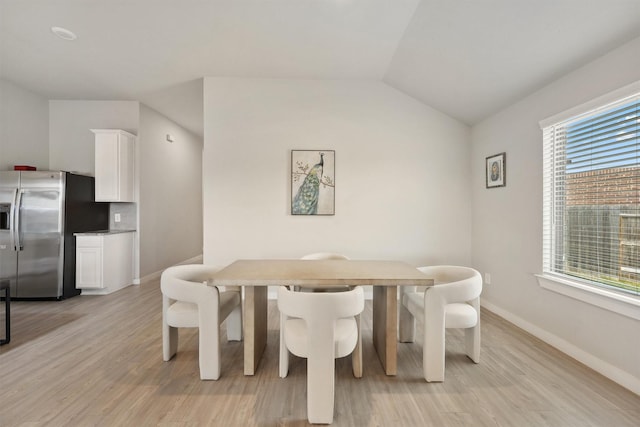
<point>188,302</point>
<point>453,302</point>
<point>357,353</point>
<point>320,327</point>
<point>325,255</point>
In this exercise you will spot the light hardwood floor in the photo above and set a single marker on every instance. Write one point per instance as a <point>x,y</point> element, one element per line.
<point>97,360</point>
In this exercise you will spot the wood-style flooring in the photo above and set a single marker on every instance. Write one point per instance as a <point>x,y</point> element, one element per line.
<point>97,361</point>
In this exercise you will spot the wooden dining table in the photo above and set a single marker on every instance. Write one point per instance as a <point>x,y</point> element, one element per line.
<point>256,275</point>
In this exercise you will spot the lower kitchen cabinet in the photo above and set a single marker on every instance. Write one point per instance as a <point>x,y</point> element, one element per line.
<point>104,262</point>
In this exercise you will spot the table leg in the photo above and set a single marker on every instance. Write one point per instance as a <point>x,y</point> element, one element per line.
<point>255,326</point>
<point>4,285</point>
<point>385,324</point>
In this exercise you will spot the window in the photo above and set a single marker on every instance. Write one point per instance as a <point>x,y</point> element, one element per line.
<point>592,195</point>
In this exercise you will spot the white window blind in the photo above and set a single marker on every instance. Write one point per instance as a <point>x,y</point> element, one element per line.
<point>592,196</point>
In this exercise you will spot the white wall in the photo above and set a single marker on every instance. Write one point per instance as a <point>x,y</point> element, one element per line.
<point>170,177</point>
<point>71,142</point>
<point>24,128</point>
<point>507,224</point>
<point>402,172</point>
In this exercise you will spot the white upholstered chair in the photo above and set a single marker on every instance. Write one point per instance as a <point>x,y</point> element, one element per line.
<point>453,302</point>
<point>320,327</point>
<point>188,302</point>
<point>324,255</point>
<point>357,353</point>
<point>319,256</point>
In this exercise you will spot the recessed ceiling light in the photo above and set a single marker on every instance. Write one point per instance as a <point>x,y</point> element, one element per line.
<point>63,33</point>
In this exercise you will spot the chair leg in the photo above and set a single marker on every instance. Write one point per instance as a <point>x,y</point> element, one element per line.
<point>169,334</point>
<point>472,335</point>
<point>472,342</point>
<point>433,348</point>
<point>169,342</point>
<point>320,388</point>
<point>234,325</point>
<point>356,356</point>
<point>406,325</point>
<point>209,352</point>
<point>284,352</point>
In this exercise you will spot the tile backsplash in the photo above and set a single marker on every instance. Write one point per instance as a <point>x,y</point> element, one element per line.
<point>127,211</point>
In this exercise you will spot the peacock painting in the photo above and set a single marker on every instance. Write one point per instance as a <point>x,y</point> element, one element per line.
<point>312,187</point>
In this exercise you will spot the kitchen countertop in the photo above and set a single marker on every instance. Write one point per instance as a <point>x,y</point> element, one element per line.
<point>102,232</point>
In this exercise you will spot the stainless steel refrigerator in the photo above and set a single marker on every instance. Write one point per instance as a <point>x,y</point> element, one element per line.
<point>39,212</point>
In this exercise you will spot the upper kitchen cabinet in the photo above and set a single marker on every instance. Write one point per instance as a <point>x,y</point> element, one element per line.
<point>114,168</point>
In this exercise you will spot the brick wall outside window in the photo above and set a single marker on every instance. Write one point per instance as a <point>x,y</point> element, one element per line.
<point>618,186</point>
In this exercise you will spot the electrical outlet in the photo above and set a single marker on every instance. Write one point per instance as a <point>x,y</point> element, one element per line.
<point>116,217</point>
<point>487,278</point>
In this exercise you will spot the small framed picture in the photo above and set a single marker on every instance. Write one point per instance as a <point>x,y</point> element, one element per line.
<point>497,170</point>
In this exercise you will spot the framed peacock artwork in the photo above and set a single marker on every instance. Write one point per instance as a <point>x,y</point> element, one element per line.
<point>313,182</point>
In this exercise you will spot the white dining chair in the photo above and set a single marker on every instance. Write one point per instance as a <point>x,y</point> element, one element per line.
<point>321,256</point>
<point>453,302</point>
<point>320,327</point>
<point>188,302</point>
<point>357,353</point>
<point>325,256</point>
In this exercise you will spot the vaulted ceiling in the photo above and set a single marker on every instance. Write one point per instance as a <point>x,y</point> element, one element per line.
<point>466,58</point>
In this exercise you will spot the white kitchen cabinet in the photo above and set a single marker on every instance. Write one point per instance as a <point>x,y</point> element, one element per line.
<point>104,262</point>
<point>114,165</point>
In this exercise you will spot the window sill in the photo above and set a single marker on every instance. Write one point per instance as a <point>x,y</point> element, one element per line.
<point>628,306</point>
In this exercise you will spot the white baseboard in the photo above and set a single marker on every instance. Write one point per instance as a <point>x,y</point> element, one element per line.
<point>614,373</point>
<point>195,260</point>
<point>102,291</point>
<point>156,275</point>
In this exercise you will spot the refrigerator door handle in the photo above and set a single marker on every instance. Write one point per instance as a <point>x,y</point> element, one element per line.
<point>16,223</point>
<point>12,217</point>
